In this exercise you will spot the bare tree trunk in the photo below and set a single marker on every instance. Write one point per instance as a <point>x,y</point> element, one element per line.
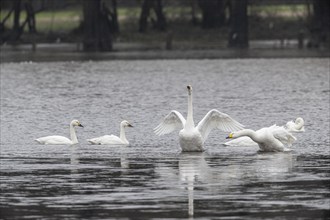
<point>156,5</point>
<point>320,29</point>
<point>145,12</point>
<point>7,16</point>
<point>112,16</point>
<point>213,13</point>
<point>193,12</point>
<point>17,13</point>
<point>97,34</point>
<point>161,21</point>
<point>115,16</point>
<point>4,36</point>
<point>238,36</point>
<point>30,17</point>
<point>16,30</point>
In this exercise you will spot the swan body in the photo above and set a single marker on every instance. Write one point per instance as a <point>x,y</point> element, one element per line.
<point>112,139</point>
<point>271,139</point>
<point>192,138</point>
<point>60,140</point>
<point>292,127</point>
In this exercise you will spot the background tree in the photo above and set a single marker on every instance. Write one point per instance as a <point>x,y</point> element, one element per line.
<point>213,13</point>
<point>159,23</point>
<point>17,13</point>
<point>193,5</point>
<point>320,26</point>
<point>238,34</point>
<point>111,12</point>
<point>18,28</point>
<point>30,16</point>
<point>16,31</point>
<point>96,26</point>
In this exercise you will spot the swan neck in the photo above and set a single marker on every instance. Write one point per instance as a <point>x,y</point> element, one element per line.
<point>247,132</point>
<point>122,134</point>
<point>73,135</point>
<point>190,120</point>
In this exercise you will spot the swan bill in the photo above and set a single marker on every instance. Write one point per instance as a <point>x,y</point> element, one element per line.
<point>230,136</point>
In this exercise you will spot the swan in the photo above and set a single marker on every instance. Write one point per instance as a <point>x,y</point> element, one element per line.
<point>270,139</point>
<point>296,126</point>
<point>192,138</point>
<point>55,139</point>
<point>112,139</point>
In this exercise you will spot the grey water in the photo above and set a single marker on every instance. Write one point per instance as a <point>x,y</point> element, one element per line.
<point>151,178</point>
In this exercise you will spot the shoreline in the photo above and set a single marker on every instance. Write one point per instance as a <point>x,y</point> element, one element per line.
<point>71,52</point>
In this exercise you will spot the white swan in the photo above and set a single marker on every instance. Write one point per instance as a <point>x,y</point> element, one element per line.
<point>112,139</point>
<point>55,139</point>
<point>270,139</point>
<point>297,126</point>
<point>191,137</point>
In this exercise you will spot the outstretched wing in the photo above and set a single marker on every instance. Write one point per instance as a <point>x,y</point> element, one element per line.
<point>283,135</point>
<point>174,120</point>
<point>215,119</point>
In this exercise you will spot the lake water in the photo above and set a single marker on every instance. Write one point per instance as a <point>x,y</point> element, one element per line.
<point>152,178</point>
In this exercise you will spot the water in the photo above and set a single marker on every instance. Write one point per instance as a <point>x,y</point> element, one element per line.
<point>151,178</point>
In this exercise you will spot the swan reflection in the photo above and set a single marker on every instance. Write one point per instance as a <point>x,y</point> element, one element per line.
<point>124,163</point>
<point>191,167</point>
<point>74,156</point>
<point>221,176</point>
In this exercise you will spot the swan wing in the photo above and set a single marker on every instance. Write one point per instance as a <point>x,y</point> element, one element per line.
<point>106,139</point>
<point>283,135</point>
<point>173,121</point>
<point>54,139</point>
<point>96,140</point>
<point>215,119</point>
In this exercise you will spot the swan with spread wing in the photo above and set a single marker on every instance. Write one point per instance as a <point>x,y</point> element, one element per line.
<point>269,139</point>
<point>193,137</point>
<point>296,126</point>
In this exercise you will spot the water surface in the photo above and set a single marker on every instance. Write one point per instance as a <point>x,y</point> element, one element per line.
<point>151,178</point>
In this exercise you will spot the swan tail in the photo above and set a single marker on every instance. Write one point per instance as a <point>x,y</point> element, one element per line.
<point>92,141</point>
<point>38,141</point>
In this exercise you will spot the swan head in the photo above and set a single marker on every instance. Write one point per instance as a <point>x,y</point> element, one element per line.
<point>189,87</point>
<point>126,124</point>
<point>76,123</point>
